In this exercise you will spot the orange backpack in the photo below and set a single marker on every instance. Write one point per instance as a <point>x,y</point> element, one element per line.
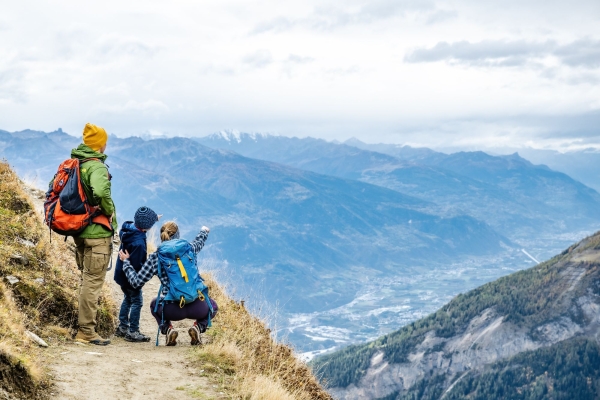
<point>66,209</point>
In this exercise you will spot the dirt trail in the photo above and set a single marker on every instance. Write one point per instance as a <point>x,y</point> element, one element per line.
<point>124,370</point>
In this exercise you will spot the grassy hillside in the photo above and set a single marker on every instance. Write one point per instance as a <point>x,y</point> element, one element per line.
<point>247,362</point>
<point>43,300</point>
<point>525,299</point>
<point>241,357</point>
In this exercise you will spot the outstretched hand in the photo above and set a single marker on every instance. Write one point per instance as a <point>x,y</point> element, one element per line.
<point>205,228</point>
<point>123,255</point>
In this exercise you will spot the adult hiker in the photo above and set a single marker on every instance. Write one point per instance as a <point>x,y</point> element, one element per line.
<point>183,294</point>
<point>94,243</point>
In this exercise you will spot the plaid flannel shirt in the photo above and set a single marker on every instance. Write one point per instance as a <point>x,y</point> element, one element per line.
<point>150,267</point>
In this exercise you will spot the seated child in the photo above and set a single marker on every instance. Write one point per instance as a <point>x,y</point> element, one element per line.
<point>133,240</point>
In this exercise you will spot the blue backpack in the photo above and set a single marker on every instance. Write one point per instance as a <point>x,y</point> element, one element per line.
<point>186,285</point>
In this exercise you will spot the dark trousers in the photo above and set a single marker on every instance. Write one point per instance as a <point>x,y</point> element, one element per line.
<point>131,307</point>
<point>197,310</point>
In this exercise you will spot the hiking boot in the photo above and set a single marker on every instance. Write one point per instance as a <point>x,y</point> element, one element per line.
<point>136,337</point>
<point>194,332</point>
<point>92,338</point>
<point>121,331</point>
<point>171,336</point>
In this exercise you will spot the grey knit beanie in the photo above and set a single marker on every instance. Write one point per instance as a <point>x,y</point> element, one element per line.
<point>145,218</point>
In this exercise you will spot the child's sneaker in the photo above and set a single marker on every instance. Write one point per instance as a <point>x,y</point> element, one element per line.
<point>136,337</point>
<point>194,332</point>
<point>171,336</point>
<point>121,331</point>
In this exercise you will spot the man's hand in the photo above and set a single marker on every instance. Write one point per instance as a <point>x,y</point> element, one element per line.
<point>205,228</point>
<point>123,255</point>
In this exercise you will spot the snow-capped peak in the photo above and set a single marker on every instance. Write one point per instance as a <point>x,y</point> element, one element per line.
<point>233,135</point>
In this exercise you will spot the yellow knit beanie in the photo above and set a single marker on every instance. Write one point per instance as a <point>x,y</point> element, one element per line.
<point>94,136</point>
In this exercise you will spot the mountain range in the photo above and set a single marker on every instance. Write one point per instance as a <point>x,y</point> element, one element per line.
<point>347,244</point>
<point>530,335</point>
<point>532,205</point>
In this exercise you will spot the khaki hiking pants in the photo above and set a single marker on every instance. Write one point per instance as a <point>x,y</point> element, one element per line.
<point>93,257</point>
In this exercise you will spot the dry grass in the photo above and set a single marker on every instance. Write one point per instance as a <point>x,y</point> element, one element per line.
<point>44,300</point>
<point>242,356</point>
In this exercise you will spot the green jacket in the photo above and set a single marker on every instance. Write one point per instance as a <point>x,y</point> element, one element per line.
<point>94,177</point>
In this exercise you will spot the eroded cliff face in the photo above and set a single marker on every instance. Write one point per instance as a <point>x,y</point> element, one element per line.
<point>489,337</point>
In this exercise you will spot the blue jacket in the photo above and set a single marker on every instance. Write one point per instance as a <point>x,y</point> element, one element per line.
<point>134,241</point>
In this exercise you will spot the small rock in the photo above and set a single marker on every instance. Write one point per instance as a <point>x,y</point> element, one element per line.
<point>26,242</point>
<point>36,339</point>
<point>19,259</point>
<point>12,280</point>
<point>39,280</point>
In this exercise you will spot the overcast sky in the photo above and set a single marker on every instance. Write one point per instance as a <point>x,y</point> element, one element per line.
<point>472,74</point>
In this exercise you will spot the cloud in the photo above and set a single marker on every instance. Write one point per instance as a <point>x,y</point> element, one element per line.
<point>583,78</point>
<point>148,107</point>
<point>439,16</point>
<point>217,69</point>
<point>276,25</point>
<point>12,85</point>
<point>293,62</point>
<point>295,59</point>
<point>333,73</point>
<point>122,46</point>
<point>258,59</point>
<point>503,53</point>
<point>584,53</point>
<point>487,52</point>
<point>327,18</point>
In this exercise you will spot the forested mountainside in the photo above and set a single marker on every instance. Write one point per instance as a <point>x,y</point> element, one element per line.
<point>522,336</point>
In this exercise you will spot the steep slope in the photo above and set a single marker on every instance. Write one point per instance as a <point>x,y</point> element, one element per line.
<point>470,341</point>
